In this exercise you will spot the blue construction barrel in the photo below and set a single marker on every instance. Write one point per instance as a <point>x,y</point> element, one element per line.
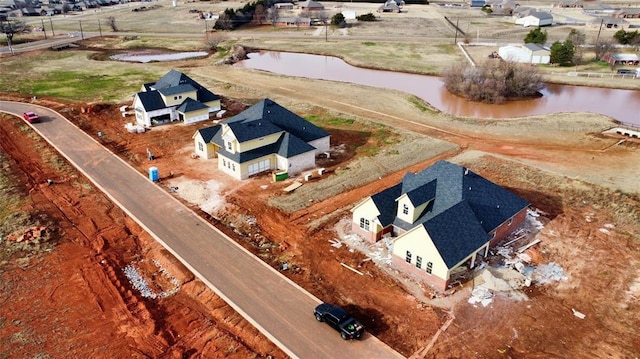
<point>153,174</point>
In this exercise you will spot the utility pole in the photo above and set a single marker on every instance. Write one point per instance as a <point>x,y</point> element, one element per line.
<point>99,27</point>
<point>51,22</point>
<point>326,32</point>
<point>598,40</point>
<point>81,33</point>
<point>43,29</point>
<point>455,41</point>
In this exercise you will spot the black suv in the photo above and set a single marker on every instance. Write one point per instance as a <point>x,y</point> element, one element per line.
<point>339,320</point>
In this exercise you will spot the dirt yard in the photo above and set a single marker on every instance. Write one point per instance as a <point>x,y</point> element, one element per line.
<point>591,231</point>
<point>78,288</point>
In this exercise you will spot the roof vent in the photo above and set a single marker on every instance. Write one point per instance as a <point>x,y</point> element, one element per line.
<point>466,171</point>
<point>469,188</point>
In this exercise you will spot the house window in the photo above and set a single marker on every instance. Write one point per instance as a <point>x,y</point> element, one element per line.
<point>233,166</point>
<point>229,146</point>
<point>200,146</point>
<point>408,257</point>
<point>405,209</point>
<point>418,262</point>
<point>364,224</point>
<point>429,267</point>
<point>224,162</point>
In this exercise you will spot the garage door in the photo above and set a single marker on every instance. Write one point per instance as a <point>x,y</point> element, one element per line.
<point>258,167</point>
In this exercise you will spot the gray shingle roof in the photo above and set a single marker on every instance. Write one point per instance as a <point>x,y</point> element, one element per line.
<point>174,82</point>
<point>175,78</point>
<point>466,207</point>
<point>456,233</point>
<point>267,118</point>
<point>168,91</point>
<point>386,203</point>
<point>190,104</point>
<point>151,100</point>
<point>208,133</point>
<point>269,111</point>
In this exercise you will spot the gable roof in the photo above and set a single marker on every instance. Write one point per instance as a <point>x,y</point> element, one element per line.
<point>454,238</point>
<point>535,47</point>
<point>207,133</point>
<point>151,100</point>
<point>386,203</point>
<point>311,4</point>
<point>266,116</point>
<point>491,203</point>
<point>173,79</point>
<point>190,104</point>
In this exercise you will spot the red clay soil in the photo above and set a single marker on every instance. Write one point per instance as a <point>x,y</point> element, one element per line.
<point>76,299</point>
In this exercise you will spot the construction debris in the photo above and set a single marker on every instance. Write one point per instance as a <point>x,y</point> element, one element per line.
<point>578,314</point>
<point>351,268</point>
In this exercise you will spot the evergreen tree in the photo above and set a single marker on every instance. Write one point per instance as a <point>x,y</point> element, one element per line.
<point>562,53</point>
<point>536,36</point>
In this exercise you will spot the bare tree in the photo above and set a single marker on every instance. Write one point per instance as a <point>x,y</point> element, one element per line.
<point>578,38</point>
<point>259,14</point>
<point>273,15</point>
<point>493,82</point>
<point>111,22</point>
<point>605,47</point>
<point>215,40</point>
<point>11,28</point>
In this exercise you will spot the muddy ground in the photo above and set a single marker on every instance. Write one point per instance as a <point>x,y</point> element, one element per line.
<point>71,297</point>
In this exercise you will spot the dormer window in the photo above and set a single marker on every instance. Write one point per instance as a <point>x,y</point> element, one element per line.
<point>229,146</point>
<point>405,209</point>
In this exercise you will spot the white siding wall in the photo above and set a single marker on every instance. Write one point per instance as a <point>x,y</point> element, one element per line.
<point>322,144</point>
<point>301,162</point>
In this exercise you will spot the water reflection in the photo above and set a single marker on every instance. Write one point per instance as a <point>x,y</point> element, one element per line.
<point>621,105</point>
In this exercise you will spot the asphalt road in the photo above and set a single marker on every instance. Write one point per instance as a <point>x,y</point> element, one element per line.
<point>276,306</point>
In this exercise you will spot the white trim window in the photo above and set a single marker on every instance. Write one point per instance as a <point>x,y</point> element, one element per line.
<point>365,224</point>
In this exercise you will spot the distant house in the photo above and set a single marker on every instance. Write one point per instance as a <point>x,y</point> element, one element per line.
<point>531,17</point>
<point>175,97</point>
<point>284,5</point>
<point>568,4</point>
<point>621,59</point>
<point>389,6</point>
<point>608,23</point>
<point>627,13</point>
<point>445,218</point>
<point>264,137</point>
<point>311,5</point>
<point>477,3</point>
<point>293,22</point>
<point>527,53</point>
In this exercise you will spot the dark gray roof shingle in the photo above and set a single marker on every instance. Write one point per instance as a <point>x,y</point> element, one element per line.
<point>190,104</point>
<point>269,111</point>
<point>463,203</point>
<point>208,133</point>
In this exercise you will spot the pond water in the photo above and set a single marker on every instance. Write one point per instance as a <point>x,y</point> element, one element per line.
<point>621,105</point>
<point>145,56</point>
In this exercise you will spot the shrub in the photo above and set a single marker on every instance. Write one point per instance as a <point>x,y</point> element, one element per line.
<point>366,17</point>
<point>492,81</point>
